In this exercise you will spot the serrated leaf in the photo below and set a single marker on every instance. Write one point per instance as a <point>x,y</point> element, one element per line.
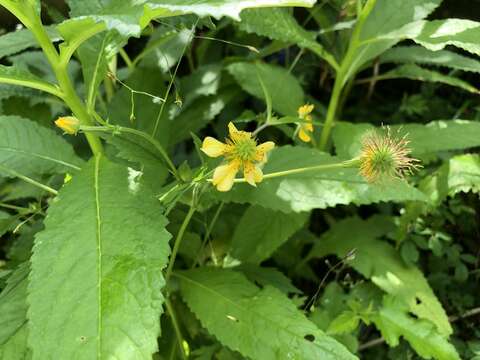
<point>380,262</point>
<point>260,231</point>
<point>245,318</point>
<point>414,72</point>
<point>393,321</point>
<point>315,189</point>
<point>99,264</point>
<point>441,135</point>
<point>387,16</point>
<point>464,174</point>
<point>215,8</point>
<point>420,55</point>
<point>16,41</point>
<point>30,149</point>
<point>268,276</point>
<point>279,24</point>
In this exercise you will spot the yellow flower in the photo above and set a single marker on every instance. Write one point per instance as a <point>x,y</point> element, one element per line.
<point>69,124</point>
<point>306,128</point>
<point>241,152</point>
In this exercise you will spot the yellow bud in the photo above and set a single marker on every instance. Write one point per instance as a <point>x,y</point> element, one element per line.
<point>69,124</point>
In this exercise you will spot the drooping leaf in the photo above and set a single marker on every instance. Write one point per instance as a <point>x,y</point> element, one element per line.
<point>442,135</point>
<point>215,8</point>
<point>286,99</point>
<point>393,321</point>
<point>16,41</point>
<point>17,76</point>
<point>260,231</point>
<point>380,262</point>
<point>315,189</point>
<point>414,72</point>
<point>387,16</point>
<point>99,264</point>
<point>31,149</point>
<point>420,55</point>
<point>279,24</point>
<point>245,317</point>
<point>463,174</point>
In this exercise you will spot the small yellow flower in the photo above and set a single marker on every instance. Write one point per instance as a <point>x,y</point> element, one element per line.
<point>69,124</point>
<point>305,129</point>
<point>385,156</point>
<point>241,152</point>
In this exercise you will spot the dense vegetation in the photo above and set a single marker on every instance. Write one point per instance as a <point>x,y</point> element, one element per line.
<point>230,179</point>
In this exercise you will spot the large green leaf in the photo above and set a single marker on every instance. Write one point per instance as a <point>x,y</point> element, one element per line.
<point>415,72</point>
<point>436,136</point>
<point>387,16</point>
<point>30,149</point>
<point>420,55</point>
<point>13,307</point>
<point>279,24</point>
<point>98,264</point>
<point>286,99</point>
<point>393,321</point>
<point>260,231</point>
<point>258,323</point>
<point>380,262</point>
<point>463,174</point>
<point>315,189</point>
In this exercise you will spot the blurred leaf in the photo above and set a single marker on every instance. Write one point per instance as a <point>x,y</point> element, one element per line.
<point>30,149</point>
<point>16,41</point>
<point>245,317</point>
<point>268,276</point>
<point>420,55</point>
<point>100,267</point>
<point>260,231</point>
<point>286,99</point>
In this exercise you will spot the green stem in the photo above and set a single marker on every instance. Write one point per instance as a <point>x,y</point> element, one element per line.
<point>176,327</point>
<point>119,129</point>
<point>28,16</point>
<point>178,241</point>
<point>28,180</point>
<point>344,73</point>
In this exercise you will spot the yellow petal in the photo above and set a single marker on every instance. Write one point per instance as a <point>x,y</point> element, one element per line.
<point>304,135</point>
<point>224,175</point>
<point>69,124</point>
<point>262,149</point>
<point>237,135</point>
<point>212,147</point>
<point>305,110</point>
<point>308,127</point>
<point>253,174</point>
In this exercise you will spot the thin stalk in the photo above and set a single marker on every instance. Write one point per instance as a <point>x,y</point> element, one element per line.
<point>343,164</point>
<point>28,180</point>
<point>32,21</point>
<point>178,333</point>
<point>344,73</point>
<point>178,241</point>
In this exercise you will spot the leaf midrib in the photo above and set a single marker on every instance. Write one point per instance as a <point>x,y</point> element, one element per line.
<point>40,156</point>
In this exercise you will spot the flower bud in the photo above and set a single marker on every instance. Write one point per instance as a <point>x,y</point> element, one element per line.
<point>68,124</point>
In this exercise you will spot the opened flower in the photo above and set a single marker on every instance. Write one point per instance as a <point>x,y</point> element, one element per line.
<point>306,128</point>
<point>385,156</point>
<point>242,153</point>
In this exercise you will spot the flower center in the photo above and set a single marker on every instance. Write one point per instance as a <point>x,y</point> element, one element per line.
<point>383,161</point>
<point>245,149</point>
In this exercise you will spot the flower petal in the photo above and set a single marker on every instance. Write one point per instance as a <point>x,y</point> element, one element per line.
<point>253,174</point>
<point>262,149</point>
<point>212,147</point>
<point>304,135</point>
<point>304,110</point>
<point>224,175</point>
<point>237,135</point>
